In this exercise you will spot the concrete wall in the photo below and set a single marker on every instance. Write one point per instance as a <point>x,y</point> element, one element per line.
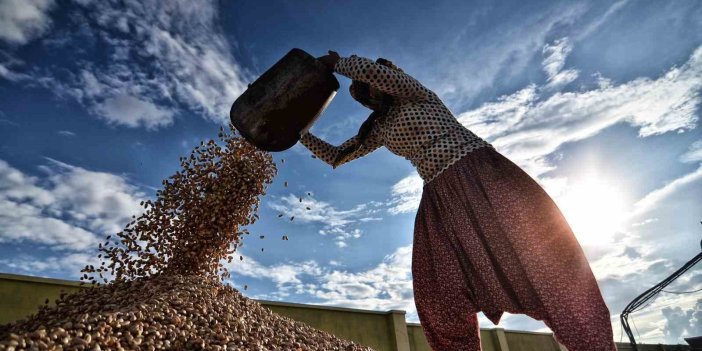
<point>529,341</point>
<point>378,330</point>
<point>381,330</point>
<point>653,347</point>
<point>489,338</point>
<point>22,295</point>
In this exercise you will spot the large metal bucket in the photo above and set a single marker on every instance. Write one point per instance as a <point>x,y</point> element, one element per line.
<point>695,343</point>
<point>286,99</point>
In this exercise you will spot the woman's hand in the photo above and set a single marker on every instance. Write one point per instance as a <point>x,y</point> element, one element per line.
<point>329,59</point>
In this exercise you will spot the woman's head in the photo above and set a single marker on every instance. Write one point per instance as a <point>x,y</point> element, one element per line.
<point>368,96</point>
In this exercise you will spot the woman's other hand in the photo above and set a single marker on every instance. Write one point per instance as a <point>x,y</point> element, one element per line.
<point>329,59</point>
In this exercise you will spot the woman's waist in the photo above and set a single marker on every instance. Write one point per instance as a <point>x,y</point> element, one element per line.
<point>430,169</point>
<point>444,147</point>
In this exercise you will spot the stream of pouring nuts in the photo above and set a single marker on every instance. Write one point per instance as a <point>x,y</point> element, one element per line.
<point>160,281</point>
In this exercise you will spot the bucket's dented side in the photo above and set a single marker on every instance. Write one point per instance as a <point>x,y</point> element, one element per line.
<point>283,101</point>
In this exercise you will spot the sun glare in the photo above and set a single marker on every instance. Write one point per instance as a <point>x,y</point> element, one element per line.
<point>594,209</point>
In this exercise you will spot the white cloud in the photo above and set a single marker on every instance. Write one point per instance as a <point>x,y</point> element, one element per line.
<point>184,60</point>
<point>617,265</point>
<point>7,73</point>
<point>593,26</point>
<point>132,112</point>
<point>499,117</point>
<point>70,263</point>
<point>335,222</point>
<point>8,65</point>
<point>601,81</point>
<point>24,20</point>
<point>102,202</point>
<point>21,214</point>
<point>555,56</point>
<point>648,202</point>
<point>66,133</point>
<point>694,153</point>
<point>406,194</point>
<point>66,208</point>
<point>517,124</point>
<point>668,319</point>
<point>23,222</point>
<point>502,52</point>
<point>383,287</point>
<point>284,275</point>
<point>508,47</point>
<point>679,323</point>
<point>319,211</point>
<point>554,60</point>
<point>644,222</point>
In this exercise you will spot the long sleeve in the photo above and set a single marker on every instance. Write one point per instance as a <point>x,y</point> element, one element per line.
<point>328,153</point>
<point>383,78</point>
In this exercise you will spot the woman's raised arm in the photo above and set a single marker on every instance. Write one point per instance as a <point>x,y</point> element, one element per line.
<point>380,77</point>
<point>328,153</point>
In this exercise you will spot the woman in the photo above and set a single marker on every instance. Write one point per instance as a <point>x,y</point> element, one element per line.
<point>487,237</point>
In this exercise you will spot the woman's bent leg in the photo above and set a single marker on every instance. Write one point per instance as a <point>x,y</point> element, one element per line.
<point>581,324</point>
<point>442,298</point>
<point>447,327</point>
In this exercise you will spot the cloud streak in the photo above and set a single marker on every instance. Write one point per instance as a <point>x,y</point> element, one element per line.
<point>386,286</point>
<point>334,222</point>
<point>66,208</point>
<point>24,20</point>
<point>554,60</point>
<point>504,52</point>
<point>649,202</point>
<point>72,262</point>
<point>693,154</point>
<point>132,112</point>
<point>679,323</point>
<point>516,124</point>
<point>184,61</point>
<point>186,57</point>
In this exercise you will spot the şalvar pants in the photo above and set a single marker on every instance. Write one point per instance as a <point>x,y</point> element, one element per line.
<point>488,238</point>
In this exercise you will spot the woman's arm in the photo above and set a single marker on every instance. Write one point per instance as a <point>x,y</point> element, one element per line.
<point>383,78</point>
<point>328,153</point>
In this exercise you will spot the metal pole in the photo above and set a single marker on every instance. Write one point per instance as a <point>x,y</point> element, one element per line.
<point>651,293</point>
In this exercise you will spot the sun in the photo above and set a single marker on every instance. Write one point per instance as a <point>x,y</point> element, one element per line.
<point>594,208</point>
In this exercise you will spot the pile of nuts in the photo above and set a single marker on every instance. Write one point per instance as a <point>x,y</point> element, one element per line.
<point>159,285</point>
<point>168,312</point>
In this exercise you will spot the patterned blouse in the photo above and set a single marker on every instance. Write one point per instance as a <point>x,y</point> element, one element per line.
<point>418,127</point>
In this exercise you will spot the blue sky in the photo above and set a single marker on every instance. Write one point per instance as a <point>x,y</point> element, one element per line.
<point>599,101</point>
